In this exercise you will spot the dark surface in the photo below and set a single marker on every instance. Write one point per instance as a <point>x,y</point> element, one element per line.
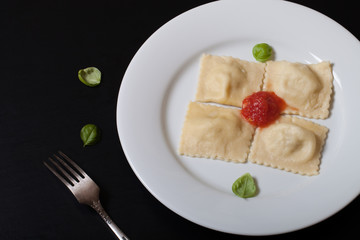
<point>43,107</point>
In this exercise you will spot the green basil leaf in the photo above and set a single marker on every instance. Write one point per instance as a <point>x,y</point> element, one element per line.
<point>90,134</point>
<point>262,52</point>
<point>244,186</point>
<point>90,76</point>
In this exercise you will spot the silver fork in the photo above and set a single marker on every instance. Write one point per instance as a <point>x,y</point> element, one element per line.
<point>85,190</point>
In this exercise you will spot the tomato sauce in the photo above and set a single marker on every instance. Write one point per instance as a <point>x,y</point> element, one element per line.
<point>262,108</point>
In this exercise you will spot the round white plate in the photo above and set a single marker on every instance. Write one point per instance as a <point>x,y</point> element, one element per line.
<point>161,80</point>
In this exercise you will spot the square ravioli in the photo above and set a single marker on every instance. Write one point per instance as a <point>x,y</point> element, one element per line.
<point>291,144</point>
<point>215,132</point>
<point>306,88</point>
<point>228,80</point>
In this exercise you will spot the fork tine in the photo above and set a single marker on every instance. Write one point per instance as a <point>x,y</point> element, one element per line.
<point>75,174</point>
<point>67,175</point>
<point>67,184</point>
<point>73,163</point>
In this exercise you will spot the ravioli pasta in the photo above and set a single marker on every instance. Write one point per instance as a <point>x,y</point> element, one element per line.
<point>228,80</point>
<point>291,143</point>
<point>215,132</point>
<point>306,88</point>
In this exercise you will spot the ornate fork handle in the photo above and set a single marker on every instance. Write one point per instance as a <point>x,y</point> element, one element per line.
<point>96,205</point>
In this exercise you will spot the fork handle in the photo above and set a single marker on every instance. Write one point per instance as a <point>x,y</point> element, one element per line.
<point>96,205</point>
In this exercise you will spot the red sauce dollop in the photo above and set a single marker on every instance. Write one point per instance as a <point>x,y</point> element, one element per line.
<point>262,108</point>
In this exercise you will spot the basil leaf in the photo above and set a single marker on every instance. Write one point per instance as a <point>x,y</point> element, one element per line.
<point>90,76</point>
<point>90,134</point>
<point>262,52</point>
<point>244,186</point>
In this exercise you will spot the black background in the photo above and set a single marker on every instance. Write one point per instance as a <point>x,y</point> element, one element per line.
<point>43,106</point>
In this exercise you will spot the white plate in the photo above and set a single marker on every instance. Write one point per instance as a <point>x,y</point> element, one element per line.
<point>161,80</point>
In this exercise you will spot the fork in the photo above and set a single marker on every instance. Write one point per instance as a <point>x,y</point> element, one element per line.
<point>85,190</point>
